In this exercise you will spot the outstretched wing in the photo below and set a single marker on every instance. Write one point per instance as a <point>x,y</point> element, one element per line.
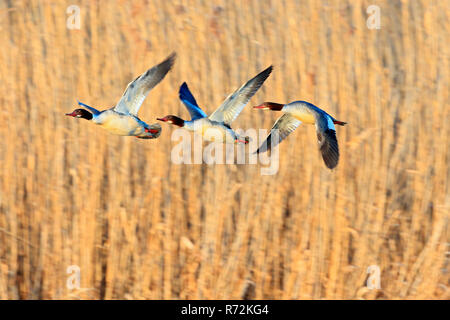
<point>280,130</point>
<point>137,90</point>
<point>234,103</point>
<point>189,101</point>
<point>328,145</point>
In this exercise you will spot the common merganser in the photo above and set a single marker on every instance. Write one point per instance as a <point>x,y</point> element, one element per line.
<point>301,111</point>
<point>222,118</point>
<point>122,119</point>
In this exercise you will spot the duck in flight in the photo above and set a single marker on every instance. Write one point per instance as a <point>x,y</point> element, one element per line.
<point>221,119</point>
<point>294,114</point>
<point>122,119</point>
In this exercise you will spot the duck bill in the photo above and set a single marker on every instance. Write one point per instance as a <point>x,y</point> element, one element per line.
<point>71,114</point>
<point>151,130</point>
<point>261,106</point>
<point>270,106</point>
<point>162,119</point>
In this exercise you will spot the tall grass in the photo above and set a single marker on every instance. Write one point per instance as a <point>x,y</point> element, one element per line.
<point>141,227</point>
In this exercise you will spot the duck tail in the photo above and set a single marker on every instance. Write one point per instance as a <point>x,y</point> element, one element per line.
<point>153,131</point>
<point>341,123</point>
<point>243,140</point>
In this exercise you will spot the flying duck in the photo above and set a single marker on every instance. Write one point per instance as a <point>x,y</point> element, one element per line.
<point>122,119</point>
<point>301,111</point>
<point>222,118</point>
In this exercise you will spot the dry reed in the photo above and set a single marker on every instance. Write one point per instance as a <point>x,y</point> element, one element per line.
<point>141,227</point>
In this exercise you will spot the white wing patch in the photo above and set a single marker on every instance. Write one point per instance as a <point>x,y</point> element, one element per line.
<point>280,130</point>
<point>235,102</point>
<point>138,89</point>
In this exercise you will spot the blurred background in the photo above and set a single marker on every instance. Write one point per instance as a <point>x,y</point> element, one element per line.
<point>133,225</point>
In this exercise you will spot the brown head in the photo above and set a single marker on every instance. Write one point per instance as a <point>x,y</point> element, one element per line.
<point>270,106</point>
<point>172,120</point>
<point>80,113</point>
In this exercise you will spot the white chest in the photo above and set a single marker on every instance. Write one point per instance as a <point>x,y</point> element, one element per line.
<point>212,131</point>
<point>115,123</point>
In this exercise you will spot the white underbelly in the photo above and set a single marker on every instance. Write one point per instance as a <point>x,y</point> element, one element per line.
<point>122,126</point>
<point>214,132</point>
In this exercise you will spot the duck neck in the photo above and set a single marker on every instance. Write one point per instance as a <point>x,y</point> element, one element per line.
<point>177,121</point>
<point>86,115</point>
<point>274,106</point>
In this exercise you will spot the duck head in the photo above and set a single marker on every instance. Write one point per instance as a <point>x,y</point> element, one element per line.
<point>80,113</point>
<point>270,106</point>
<point>172,120</point>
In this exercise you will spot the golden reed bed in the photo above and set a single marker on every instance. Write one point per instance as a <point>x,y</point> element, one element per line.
<point>138,226</point>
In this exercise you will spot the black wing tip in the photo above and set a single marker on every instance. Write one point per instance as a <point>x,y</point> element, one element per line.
<point>261,77</point>
<point>183,86</point>
<point>330,149</point>
<point>184,92</point>
<point>266,72</point>
<point>171,56</point>
<point>330,162</point>
<point>261,148</point>
<point>170,60</point>
<point>163,67</point>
